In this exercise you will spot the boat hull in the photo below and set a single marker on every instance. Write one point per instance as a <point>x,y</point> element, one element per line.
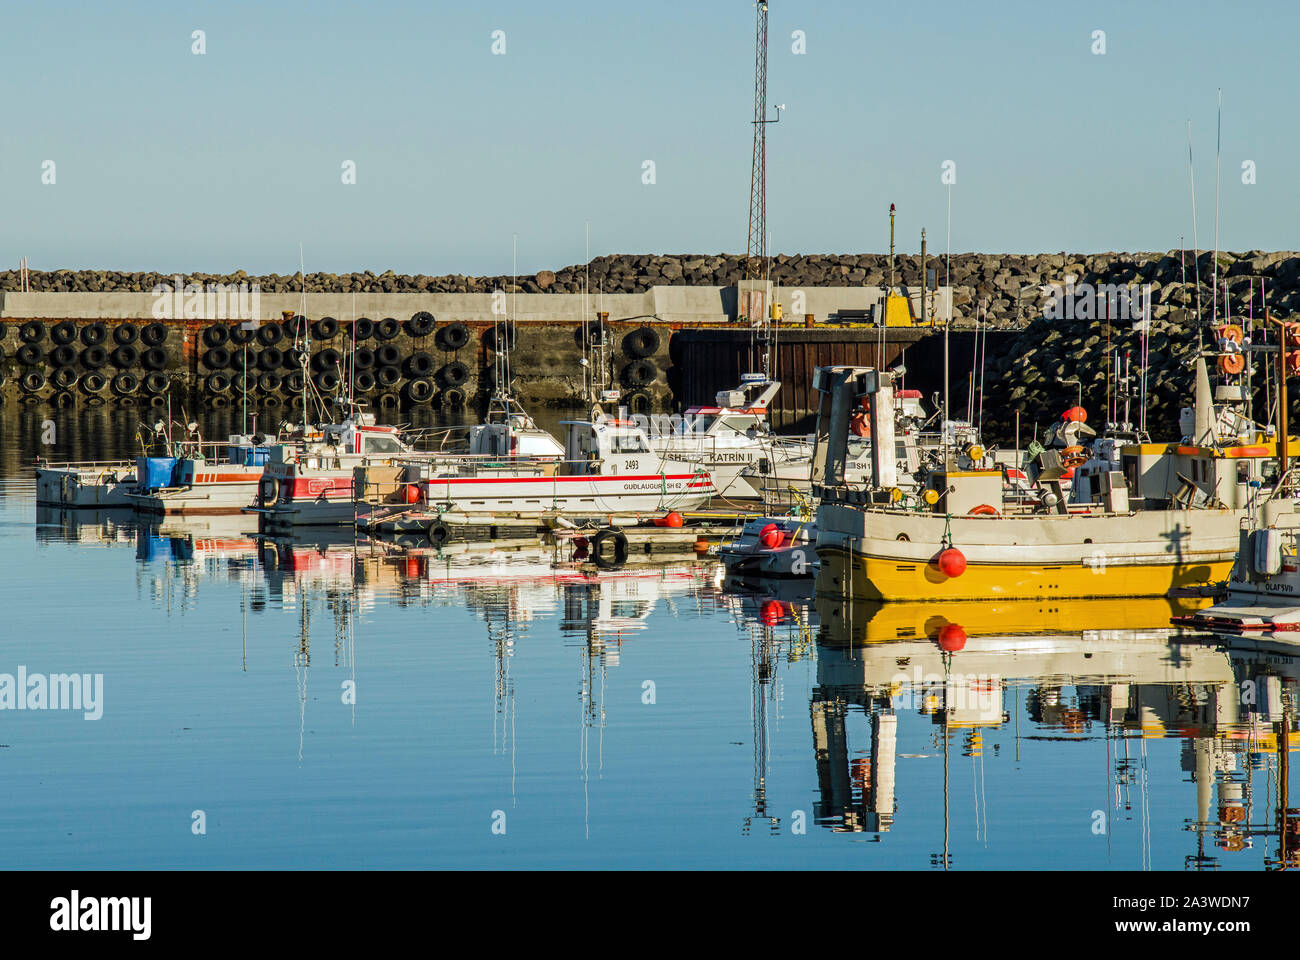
<point>886,556</point>
<point>85,488</point>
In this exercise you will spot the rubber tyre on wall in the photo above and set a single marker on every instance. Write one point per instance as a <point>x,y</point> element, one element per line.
<point>388,355</point>
<point>125,334</point>
<point>270,359</point>
<point>239,336</point>
<point>327,359</point>
<point>642,343</point>
<point>125,356</point>
<point>326,328</point>
<point>92,358</point>
<point>64,378</point>
<point>453,336</point>
<point>365,381</point>
<point>421,324</point>
<point>363,328</point>
<point>617,539</point>
<point>269,382</point>
<point>327,381</point>
<point>93,382</point>
<point>153,359</point>
<point>32,381</point>
<point>156,382</point>
<point>419,364</point>
<point>453,398</point>
<point>29,355</point>
<point>294,382</point>
<point>216,335</point>
<point>363,359</point>
<point>638,402</point>
<point>269,334</point>
<point>33,331</point>
<point>502,336</point>
<point>638,373</point>
<point>217,383</point>
<point>64,332</point>
<point>64,355</point>
<point>218,358</point>
<point>125,384</point>
<point>93,334</point>
<point>454,374</point>
<point>388,376</point>
<point>153,335</point>
<point>419,390</point>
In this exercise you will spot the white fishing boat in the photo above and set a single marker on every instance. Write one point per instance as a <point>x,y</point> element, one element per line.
<point>609,467</point>
<point>92,484</point>
<point>195,477</point>
<point>772,547</point>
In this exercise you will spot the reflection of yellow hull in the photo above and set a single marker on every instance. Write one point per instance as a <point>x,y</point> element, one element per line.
<point>882,578</point>
<point>867,622</point>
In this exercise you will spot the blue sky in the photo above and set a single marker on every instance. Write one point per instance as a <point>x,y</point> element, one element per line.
<point>171,161</point>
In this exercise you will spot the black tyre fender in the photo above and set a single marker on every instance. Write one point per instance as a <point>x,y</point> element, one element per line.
<point>216,335</point>
<point>388,376</point>
<point>33,331</point>
<point>125,356</point>
<point>268,490</point>
<point>387,328</point>
<point>364,358</point>
<point>271,358</point>
<point>154,335</point>
<point>126,333</point>
<point>92,358</point>
<point>93,382</point>
<point>156,382</point>
<point>64,355</point>
<point>125,384</point>
<point>420,364</point>
<point>269,334</point>
<point>453,398</point>
<point>326,328</point>
<point>217,383</point>
<point>454,336</point>
<point>642,343</point>
<point>153,359</point>
<point>363,328</point>
<point>32,381</point>
<point>421,324</point>
<point>617,539</point>
<point>638,373</point>
<point>419,390</point>
<point>454,374</point>
<point>218,358</point>
<point>29,355</point>
<point>93,334</point>
<point>365,381</point>
<point>64,378</point>
<point>64,332</point>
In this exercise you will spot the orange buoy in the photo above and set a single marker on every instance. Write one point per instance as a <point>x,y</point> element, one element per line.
<point>1072,450</point>
<point>1293,362</point>
<point>951,562</point>
<point>1230,331</point>
<point>1232,363</point>
<point>771,536</point>
<point>984,510</point>
<point>859,426</point>
<point>701,545</point>
<point>673,519</point>
<point>1075,415</point>
<point>951,638</point>
<point>412,493</point>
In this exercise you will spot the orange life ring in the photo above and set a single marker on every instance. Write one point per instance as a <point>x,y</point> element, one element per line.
<point>984,510</point>
<point>1232,363</point>
<point>1072,450</point>
<point>1230,331</point>
<point>859,425</point>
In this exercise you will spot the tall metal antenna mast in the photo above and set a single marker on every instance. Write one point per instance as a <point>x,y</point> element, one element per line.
<point>756,244</point>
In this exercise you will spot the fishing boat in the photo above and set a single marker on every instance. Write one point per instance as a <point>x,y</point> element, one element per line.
<point>88,485</point>
<point>195,477</point>
<point>772,547</point>
<point>609,467</point>
<point>1168,519</point>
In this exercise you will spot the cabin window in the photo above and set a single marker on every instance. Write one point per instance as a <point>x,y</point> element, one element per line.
<point>382,444</point>
<point>628,443</point>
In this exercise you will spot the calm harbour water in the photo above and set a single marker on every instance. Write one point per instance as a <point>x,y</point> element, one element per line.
<point>645,717</point>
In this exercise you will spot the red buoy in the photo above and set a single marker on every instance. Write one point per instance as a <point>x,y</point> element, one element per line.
<point>771,612</point>
<point>673,519</point>
<point>771,536</point>
<point>951,562</point>
<point>1075,415</point>
<point>412,493</point>
<point>951,638</point>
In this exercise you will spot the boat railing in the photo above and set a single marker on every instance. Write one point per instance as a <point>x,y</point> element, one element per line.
<point>42,464</point>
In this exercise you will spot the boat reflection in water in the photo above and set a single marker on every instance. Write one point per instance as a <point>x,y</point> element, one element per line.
<point>903,701</point>
<point>1075,671</point>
